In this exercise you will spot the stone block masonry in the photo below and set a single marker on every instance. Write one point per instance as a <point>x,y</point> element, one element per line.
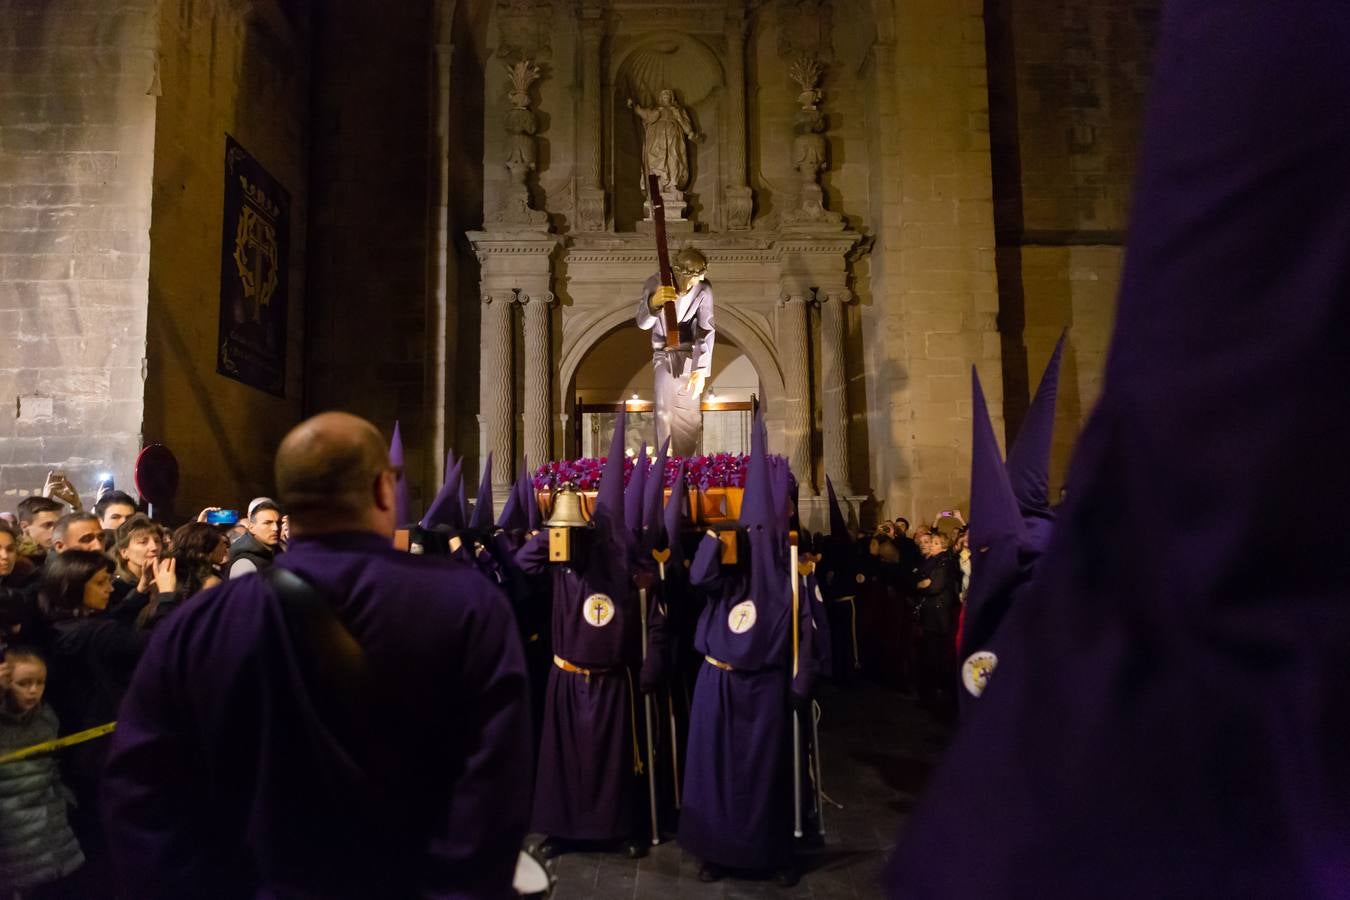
<point>242,70</point>
<point>77,120</point>
<point>933,276</point>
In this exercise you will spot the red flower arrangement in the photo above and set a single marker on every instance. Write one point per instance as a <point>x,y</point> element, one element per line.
<point>714,470</point>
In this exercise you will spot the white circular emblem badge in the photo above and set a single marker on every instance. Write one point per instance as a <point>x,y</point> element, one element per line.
<point>978,669</point>
<point>742,617</point>
<point>598,610</point>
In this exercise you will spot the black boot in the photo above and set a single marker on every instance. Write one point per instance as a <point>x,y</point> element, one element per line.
<point>709,873</point>
<point>551,848</point>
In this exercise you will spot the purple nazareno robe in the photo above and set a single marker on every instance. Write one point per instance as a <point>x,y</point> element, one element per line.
<point>590,751</point>
<point>226,777</point>
<point>588,756</point>
<point>738,787</point>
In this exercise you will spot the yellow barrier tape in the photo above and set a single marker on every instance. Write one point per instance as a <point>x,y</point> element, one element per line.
<point>78,737</point>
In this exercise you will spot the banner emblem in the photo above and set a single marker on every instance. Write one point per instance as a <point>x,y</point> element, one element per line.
<point>742,617</point>
<point>978,669</point>
<point>598,610</point>
<point>254,273</point>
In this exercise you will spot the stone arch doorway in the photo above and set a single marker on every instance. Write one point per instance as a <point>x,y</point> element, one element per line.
<point>610,362</point>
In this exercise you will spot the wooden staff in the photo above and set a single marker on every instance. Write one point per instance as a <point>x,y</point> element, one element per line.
<point>820,785</point>
<point>647,709</point>
<point>661,556</point>
<point>796,717</point>
<point>663,262</point>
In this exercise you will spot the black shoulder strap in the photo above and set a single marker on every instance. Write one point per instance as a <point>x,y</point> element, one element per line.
<point>351,759</point>
<point>332,663</point>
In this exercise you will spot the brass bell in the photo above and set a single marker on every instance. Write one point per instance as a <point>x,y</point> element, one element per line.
<point>567,509</point>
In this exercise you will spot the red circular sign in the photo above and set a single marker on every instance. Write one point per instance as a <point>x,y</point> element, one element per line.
<point>156,474</point>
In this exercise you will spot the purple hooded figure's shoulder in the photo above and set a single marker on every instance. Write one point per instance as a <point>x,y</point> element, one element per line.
<point>1167,719</point>
<point>232,766</point>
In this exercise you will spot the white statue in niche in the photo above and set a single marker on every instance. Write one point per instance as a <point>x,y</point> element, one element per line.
<point>664,130</point>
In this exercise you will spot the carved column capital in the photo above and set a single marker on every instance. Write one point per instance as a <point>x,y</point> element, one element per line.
<point>737,22</point>
<point>541,299</point>
<point>842,296</point>
<point>592,23</point>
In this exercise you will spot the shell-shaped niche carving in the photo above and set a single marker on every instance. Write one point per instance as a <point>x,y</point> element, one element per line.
<point>681,63</point>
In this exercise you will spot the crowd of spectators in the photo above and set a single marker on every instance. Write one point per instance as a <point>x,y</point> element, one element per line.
<point>80,593</point>
<point>910,593</point>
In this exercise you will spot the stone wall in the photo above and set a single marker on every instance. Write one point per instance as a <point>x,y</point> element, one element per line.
<point>935,300</point>
<point>980,155</point>
<point>1068,80</point>
<point>369,207</point>
<point>77,119</point>
<point>242,70</point>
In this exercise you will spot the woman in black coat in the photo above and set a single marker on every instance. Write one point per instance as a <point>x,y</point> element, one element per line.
<point>92,656</point>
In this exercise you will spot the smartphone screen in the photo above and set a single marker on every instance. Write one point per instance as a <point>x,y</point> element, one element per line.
<point>222,517</point>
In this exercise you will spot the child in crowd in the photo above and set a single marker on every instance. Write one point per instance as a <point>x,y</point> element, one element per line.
<point>37,846</point>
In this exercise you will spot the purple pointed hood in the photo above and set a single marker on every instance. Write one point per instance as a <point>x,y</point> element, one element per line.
<point>1171,688</point>
<point>533,518</point>
<point>444,509</point>
<point>636,491</point>
<point>482,507</point>
<point>838,524</point>
<point>656,484</point>
<point>1174,696</point>
<point>997,534</point>
<point>757,503</point>
<point>674,515</point>
<point>401,504</point>
<point>512,517</point>
<point>1029,455</point>
<point>784,493</point>
<point>461,494</point>
<point>609,513</point>
<point>994,512</point>
<point>778,484</point>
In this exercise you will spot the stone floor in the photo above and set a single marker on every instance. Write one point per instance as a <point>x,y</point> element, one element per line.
<point>878,751</point>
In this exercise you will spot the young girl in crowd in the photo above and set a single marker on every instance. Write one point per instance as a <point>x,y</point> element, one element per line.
<point>37,846</point>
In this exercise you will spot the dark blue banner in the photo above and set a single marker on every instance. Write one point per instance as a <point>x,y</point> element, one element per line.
<point>254,261</point>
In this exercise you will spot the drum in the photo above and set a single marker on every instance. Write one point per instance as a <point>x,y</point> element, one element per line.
<point>532,878</point>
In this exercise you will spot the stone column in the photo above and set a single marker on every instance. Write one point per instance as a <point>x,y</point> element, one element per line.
<point>441,404</point>
<point>794,351</point>
<point>496,387</point>
<point>834,386</point>
<point>516,268</point>
<point>591,189</point>
<point>537,366</point>
<point>739,196</point>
